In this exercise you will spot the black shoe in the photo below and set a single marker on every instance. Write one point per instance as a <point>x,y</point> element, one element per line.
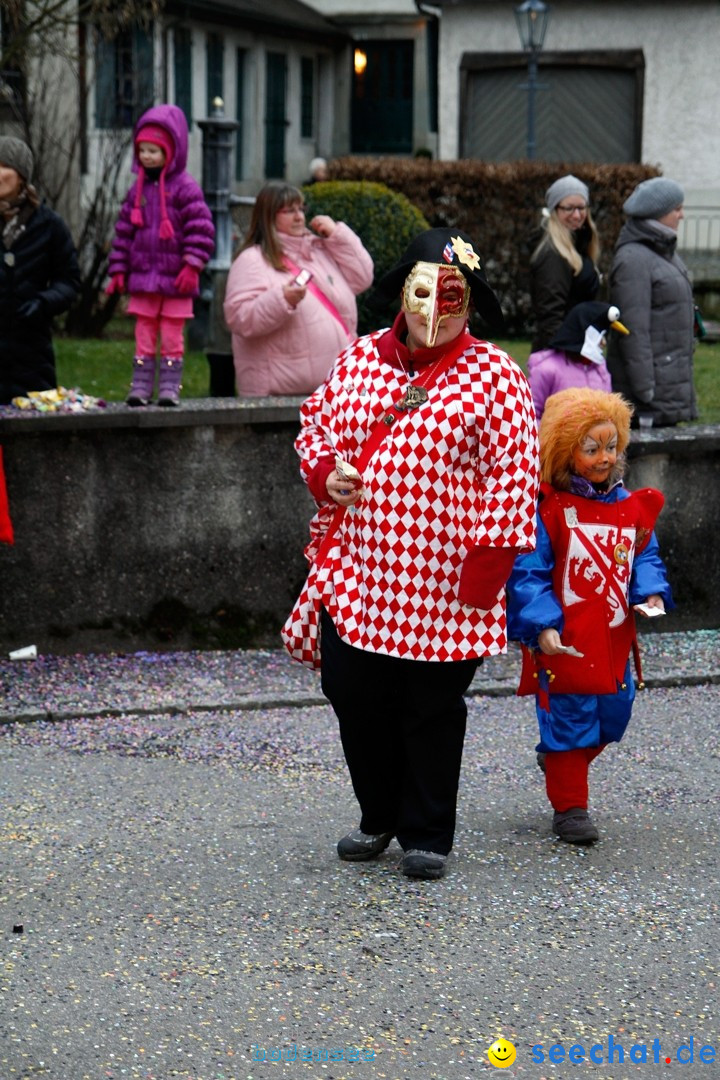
<point>424,864</point>
<point>135,400</point>
<point>574,826</point>
<point>358,846</point>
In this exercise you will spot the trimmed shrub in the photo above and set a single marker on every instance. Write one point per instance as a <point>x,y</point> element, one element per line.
<point>498,206</point>
<point>386,221</point>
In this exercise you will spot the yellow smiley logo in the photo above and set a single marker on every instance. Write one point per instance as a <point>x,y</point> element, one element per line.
<point>501,1053</point>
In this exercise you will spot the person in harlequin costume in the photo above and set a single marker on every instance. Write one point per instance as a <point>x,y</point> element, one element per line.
<point>413,581</point>
<point>571,602</point>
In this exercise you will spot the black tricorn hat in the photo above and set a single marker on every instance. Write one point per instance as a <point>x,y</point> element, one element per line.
<point>447,247</point>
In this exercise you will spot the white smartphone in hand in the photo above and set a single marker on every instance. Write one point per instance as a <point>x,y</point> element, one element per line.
<point>303,277</point>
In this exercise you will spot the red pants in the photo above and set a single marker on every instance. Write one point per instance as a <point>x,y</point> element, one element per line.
<point>170,331</point>
<point>566,776</point>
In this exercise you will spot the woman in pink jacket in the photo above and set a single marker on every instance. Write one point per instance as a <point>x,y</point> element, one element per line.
<point>288,328</point>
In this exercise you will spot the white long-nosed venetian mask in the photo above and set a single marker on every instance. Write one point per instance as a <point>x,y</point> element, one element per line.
<point>437,293</point>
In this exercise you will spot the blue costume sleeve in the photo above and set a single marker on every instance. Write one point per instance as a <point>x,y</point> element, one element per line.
<point>649,576</point>
<point>531,603</point>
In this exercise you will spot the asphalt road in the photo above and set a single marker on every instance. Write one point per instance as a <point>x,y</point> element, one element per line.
<point>184,914</point>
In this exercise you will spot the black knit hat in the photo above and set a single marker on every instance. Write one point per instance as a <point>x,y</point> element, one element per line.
<point>446,247</point>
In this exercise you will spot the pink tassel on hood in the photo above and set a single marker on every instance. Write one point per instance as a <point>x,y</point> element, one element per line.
<point>166,231</point>
<point>136,214</point>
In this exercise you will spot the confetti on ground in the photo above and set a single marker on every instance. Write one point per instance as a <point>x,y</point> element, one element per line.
<point>184,912</point>
<point>92,684</point>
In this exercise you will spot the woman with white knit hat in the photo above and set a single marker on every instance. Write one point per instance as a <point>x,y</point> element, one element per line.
<point>653,366</point>
<point>563,267</point>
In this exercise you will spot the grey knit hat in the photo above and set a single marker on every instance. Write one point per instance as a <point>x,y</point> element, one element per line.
<point>17,155</point>
<point>654,198</point>
<point>562,188</point>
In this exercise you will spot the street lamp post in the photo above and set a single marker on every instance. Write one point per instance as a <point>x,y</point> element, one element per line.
<point>218,136</point>
<point>532,17</point>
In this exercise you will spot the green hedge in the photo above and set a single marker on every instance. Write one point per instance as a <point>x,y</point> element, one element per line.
<point>499,206</point>
<point>386,221</point>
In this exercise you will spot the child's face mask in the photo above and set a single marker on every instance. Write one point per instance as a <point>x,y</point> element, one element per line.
<point>436,293</point>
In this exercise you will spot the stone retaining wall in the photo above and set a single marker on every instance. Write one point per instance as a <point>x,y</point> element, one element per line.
<point>185,528</point>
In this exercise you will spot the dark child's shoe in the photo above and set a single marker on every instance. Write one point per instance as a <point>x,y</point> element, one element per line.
<point>428,865</point>
<point>574,826</point>
<point>358,846</point>
<point>540,758</point>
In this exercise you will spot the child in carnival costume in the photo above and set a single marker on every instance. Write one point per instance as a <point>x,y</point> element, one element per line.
<point>163,238</point>
<point>571,601</point>
<point>575,356</point>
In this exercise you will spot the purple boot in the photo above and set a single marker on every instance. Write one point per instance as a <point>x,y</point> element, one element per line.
<point>143,381</point>
<point>169,384</point>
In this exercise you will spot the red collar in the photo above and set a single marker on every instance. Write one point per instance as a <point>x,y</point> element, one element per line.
<point>393,350</point>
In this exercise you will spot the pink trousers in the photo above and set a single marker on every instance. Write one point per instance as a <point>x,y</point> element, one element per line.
<point>148,328</point>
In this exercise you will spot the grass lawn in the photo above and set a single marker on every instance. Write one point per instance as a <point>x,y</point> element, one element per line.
<point>707,374</point>
<point>103,368</point>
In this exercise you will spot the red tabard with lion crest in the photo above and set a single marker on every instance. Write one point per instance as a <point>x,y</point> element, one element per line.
<point>595,544</point>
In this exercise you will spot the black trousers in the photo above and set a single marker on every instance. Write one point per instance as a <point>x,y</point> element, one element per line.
<point>402,726</point>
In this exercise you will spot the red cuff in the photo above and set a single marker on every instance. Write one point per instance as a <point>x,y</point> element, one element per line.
<point>484,574</point>
<point>318,477</point>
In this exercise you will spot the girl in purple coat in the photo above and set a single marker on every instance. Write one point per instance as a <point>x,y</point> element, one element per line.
<point>575,355</point>
<point>163,238</point>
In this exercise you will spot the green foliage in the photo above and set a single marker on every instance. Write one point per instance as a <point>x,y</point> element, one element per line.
<point>706,362</point>
<point>103,367</point>
<point>386,221</point>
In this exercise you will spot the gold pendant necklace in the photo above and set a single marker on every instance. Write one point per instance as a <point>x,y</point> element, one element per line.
<point>414,395</point>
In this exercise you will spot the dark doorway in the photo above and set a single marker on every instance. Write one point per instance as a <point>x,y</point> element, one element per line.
<point>588,107</point>
<point>275,115</point>
<point>382,113</point>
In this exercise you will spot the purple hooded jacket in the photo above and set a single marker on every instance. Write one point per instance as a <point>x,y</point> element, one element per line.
<point>149,263</point>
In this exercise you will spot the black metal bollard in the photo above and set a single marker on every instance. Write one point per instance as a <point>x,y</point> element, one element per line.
<point>218,134</point>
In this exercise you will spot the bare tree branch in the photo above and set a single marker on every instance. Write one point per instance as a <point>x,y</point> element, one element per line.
<point>33,26</point>
<point>44,83</point>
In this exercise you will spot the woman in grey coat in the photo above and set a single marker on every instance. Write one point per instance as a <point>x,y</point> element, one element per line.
<point>653,366</point>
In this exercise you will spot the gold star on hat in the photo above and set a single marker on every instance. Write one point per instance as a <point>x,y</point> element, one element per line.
<point>465,253</point>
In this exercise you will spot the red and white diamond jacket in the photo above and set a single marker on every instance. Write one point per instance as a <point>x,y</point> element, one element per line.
<point>454,478</point>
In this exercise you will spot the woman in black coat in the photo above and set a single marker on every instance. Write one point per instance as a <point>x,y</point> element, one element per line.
<point>563,267</point>
<point>39,276</point>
